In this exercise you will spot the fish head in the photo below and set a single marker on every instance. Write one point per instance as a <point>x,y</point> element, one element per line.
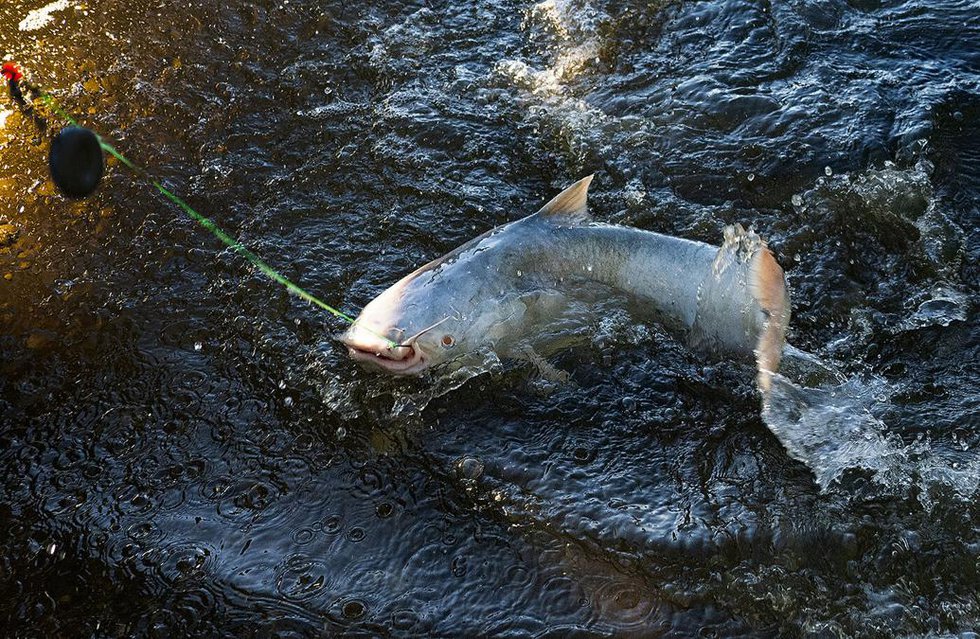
<point>425,320</point>
<point>464,302</point>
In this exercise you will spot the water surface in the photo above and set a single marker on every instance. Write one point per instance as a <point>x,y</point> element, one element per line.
<point>184,450</point>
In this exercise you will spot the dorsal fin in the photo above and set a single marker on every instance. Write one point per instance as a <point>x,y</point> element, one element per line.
<point>571,205</point>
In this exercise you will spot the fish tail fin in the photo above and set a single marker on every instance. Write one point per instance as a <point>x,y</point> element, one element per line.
<point>767,283</point>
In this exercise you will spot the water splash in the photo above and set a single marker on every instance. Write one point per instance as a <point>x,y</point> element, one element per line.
<point>571,30</point>
<point>39,18</point>
<point>831,429</point>
<point>944,306</point>
<point>574,27</point>
<point>834,429</point>
<point>398,400</point>
<point>444,383</point>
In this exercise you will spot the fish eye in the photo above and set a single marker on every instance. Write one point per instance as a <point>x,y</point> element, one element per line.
<point>448,341</point>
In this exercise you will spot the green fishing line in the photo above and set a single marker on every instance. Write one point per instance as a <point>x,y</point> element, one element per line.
<point>209,224</point>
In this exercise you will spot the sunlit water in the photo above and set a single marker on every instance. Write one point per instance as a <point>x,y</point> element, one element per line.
<point>184,449</point>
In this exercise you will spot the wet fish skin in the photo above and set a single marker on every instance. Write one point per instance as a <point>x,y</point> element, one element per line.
<point>500,287</point>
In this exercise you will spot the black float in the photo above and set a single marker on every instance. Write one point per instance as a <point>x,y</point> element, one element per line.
<point>76,161</point>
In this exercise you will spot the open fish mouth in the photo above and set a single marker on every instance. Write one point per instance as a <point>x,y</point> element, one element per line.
<point>408,364</point>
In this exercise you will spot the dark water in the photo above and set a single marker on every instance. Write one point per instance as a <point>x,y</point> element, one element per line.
<point>184,451</point>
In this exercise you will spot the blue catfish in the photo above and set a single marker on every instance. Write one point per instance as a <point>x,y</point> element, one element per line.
<point>494,291</point>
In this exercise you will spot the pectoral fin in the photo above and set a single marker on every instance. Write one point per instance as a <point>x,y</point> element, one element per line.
<point>544,369</point>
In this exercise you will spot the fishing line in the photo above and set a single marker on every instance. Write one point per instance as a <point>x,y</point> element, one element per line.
<point>203,220</point>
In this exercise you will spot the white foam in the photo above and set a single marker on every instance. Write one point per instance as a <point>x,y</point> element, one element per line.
<point>575,29</point>
<point>833,428</point>
<point>4,114</point>
<point>39,18</point>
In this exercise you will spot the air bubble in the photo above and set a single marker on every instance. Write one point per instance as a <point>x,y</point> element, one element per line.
<point>751,177</point>
<point>459,566</point>
<point>469,468</point>
<point>797,200</point>
<point>198,346</point>
<point>828,171</point>
<point>354,609</point>
<point>356,534</point>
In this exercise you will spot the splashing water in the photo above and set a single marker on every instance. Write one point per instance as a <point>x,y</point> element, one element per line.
<point>39,18</point>
<point>833,429</point>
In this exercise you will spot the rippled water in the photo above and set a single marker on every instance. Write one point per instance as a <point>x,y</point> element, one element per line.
<point>184,449</point>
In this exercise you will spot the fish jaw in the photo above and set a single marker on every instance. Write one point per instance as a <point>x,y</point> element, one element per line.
<point>413,364</point>
<point>368,348</point>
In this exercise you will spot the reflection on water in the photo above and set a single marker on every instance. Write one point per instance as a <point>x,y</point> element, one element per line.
<point>185,451</point>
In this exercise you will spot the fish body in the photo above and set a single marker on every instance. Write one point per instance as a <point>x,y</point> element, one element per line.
<point>500,287</point>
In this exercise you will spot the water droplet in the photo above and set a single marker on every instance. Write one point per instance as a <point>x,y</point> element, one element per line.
<point>303,536</point>
<point>355,534</point>
<point>828,171</point>
<point>519,273</point>
<point>354,609</point>
<point>52,549</point>
<point>796,257</point>
<point>282,383</point>
<point>341,432</point>
<point>797,200</point>
<point>459,566</point>
<point>331,524</point>
<point>582,455</point>
<point>288,401</point>
<point>589,268</point>
<point>469,468</point>
<point>751,177</point>
<point>198,346</point>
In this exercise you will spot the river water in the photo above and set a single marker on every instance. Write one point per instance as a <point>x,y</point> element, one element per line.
<point>184,450</point>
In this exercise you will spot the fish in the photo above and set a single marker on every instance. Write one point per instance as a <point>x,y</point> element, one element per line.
<point>495,290</point>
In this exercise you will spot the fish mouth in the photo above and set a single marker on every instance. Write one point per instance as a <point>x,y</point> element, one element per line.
<point>409,364</point>
<point>405,358</point>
